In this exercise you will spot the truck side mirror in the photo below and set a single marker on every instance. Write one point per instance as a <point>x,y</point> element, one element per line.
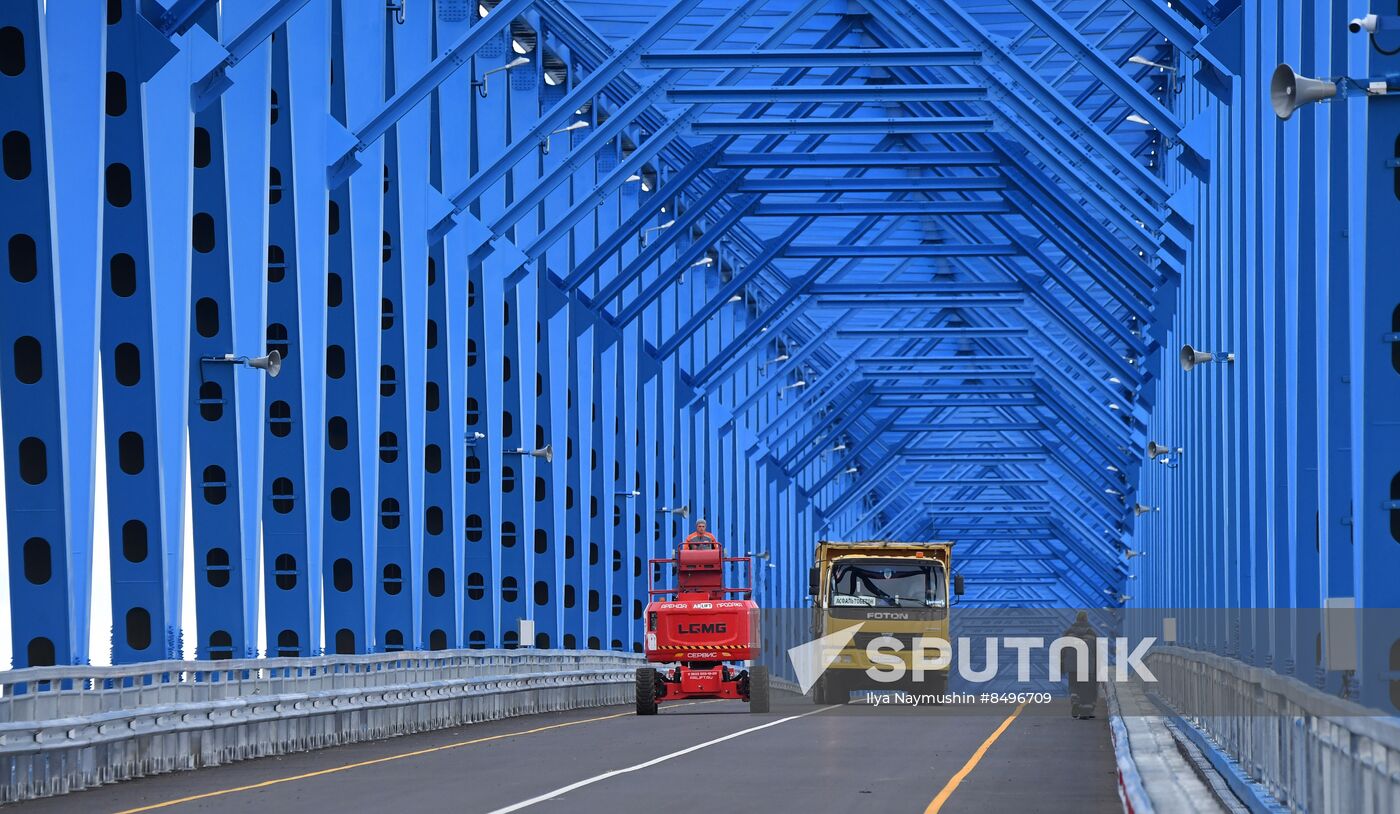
<point>958,586</point>
<point>814,580</point>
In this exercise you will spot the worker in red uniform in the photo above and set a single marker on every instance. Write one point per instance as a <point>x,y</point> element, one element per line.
<point>700,538</point>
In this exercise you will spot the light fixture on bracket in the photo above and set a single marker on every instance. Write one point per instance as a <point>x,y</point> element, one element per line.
<point>703,262</point>
<point>795,385</point>
<point>633,493</point>
<point>782,353</point>
<point>473,437</point>
<point>271,363</point>
<point>480,84</point>
<point>1139,59</point>
<point>545,452</point>
<point>646,233</point>
<point>578,125</point>
<point>851,470</point>
<point>1190,357</point>
<point>1176,78</point>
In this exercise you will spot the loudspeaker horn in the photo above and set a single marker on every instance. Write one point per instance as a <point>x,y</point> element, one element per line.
<point>1289,90</point>
<point>272,363</point>
<point>1190,357</point>
<point>1155,449</point>
<point>546,452</point>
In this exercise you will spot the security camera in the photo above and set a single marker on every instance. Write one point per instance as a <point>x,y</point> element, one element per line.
<point>1372,23</point>
<point>1369,23</point>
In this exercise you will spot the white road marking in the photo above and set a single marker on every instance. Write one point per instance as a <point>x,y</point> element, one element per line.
<point>550,795</point>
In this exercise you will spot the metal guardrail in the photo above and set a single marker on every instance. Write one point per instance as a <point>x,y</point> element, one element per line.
<point>1312,751</point>
<point>69,728</point>
<point>1131,791</point>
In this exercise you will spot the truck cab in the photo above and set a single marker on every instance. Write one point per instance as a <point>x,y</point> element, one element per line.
<point>892,589</point>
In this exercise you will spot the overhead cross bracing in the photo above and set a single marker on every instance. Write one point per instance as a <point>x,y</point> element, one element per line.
<point>903,219</point>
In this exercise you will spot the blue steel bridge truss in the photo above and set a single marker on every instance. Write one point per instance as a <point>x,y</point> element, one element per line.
<point>550,280</point>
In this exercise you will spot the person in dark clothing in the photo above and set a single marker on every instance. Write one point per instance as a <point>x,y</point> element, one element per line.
<point>1083,690</point>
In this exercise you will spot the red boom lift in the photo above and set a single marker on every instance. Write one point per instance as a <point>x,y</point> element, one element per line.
<point>700,625</point>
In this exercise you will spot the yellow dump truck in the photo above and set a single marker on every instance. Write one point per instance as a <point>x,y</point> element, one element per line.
<point>899,590</point>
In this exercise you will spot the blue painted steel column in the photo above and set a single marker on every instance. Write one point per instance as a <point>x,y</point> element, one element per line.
<point>524,342</point>
<point>217,506</point>
<point>394,603</point>
<point>286,584</point>
<point>440,527</point>
<point>343,569</point>
<point>1375,371</point>
<point>38,526</point>
<point>137,509</point>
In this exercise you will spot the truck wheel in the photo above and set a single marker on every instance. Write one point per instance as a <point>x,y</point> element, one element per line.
<point>646,690</point>
<point>758,688</point>
<point>828,692</point>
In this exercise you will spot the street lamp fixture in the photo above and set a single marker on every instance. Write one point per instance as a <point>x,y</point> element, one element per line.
<point>578,125</point>
<point>480,84</point>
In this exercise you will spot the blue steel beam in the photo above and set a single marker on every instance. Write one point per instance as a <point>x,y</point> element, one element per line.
<point>810,58</point>
<point>142,625</point>
<point>866,94</point>
<point>966,183</point>
<point>930,333</point>
<point>49,564</point>
<point>940,124</point>
<point>1092,60</point>
<point>242,45</point>
<point>286,552</point>
<point>796,250</point>
<point>181,16</point>
<point>890,158</point>
<point>1126,176</point>
<point>220,514</point>
<point>404,100</point>
<point>585,90</point>
<point>838,209</point>
<point>620,119</point>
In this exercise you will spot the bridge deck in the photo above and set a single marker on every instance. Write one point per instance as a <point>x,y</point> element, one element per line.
<point>809,759</point>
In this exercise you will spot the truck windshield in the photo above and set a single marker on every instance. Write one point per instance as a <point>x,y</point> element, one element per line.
<point>895,584</point>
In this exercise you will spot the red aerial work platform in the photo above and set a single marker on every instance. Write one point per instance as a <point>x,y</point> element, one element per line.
<point>704,627</point>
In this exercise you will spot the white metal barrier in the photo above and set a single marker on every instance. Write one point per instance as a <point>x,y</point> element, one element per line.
<point>69,728</point>
<point>1312,751</point>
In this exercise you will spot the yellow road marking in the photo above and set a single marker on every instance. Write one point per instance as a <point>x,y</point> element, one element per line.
<point>956,780</point>
<point>416,753</point>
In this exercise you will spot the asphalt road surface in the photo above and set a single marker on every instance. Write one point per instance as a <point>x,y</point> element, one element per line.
<point>698,757</point>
